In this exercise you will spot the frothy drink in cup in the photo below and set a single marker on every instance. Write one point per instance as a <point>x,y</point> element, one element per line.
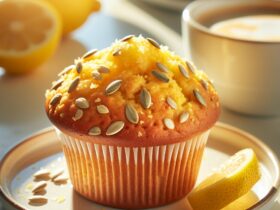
<point>264,27</point>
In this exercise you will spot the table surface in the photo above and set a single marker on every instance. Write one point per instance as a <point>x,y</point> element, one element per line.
<point>22,98</point>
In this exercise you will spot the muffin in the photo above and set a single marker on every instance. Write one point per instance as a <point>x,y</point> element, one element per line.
<point>133,120</point>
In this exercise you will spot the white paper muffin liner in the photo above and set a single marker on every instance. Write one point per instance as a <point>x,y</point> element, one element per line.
<point>133,177</point>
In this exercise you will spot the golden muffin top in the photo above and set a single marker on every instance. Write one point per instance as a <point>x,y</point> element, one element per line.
<point>134,90</point>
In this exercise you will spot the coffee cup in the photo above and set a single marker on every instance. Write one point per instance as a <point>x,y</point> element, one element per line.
<point>245,68</point>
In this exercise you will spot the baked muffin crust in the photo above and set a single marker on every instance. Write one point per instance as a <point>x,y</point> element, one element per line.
<point>134,93</point>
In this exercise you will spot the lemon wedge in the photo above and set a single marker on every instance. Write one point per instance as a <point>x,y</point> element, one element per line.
<point>244,202</point>
<point>229,182</point>
<point>30,31</point>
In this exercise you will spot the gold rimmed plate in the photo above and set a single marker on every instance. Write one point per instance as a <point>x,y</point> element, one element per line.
<point>42,150</point>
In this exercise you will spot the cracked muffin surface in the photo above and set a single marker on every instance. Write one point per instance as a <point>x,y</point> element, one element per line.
<point>135,92</point>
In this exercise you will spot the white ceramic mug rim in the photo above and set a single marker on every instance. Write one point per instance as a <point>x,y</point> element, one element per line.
<point>187,17</point>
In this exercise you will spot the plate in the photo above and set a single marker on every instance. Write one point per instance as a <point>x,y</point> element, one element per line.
<point>42,150</point>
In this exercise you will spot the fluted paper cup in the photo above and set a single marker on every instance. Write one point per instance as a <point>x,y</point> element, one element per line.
<point>133,177</point>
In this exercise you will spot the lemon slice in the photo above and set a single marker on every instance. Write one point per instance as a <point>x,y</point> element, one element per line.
<point>30,31</point>
<point>232,180</point>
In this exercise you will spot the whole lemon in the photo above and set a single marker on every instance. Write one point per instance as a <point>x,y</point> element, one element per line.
<point>74,12</point>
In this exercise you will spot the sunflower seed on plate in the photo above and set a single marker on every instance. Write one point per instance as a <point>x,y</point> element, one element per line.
<point>117,52</point>
<point>43,173</point>
<point>204,84</point>
<point>39,186</point>
<point>102,109</point>
<point>183,71</point>
<point>89,53</point>
<point>191,67</point>
<point>55,99</point>
<point>171,102</point>
<point>96,75</point>
<point>82,103</point>
<point>60,178</point>
<point>161,67</point>
<point>154,43</point>
<point>66,70</point>
<point>161,76</point>
<point>74,84</point>
<point>56,173</point>
<point>103,69</point>
<point>114,128</point>
<point>57,84</point>
<point>95,131</point>
<point>78,115</point>
<point>184,117</point>
<point>168,123</point>
<point>145,98</point>
<point>113,87</point>
<point>78,65</point>
<point>37,199</point>
<point>131,114</point>
<point>126,38</point>
<point>199,97</point>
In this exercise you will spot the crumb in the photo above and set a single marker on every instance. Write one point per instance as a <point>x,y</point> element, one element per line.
<point>60,199</point>
<point>139,134</point>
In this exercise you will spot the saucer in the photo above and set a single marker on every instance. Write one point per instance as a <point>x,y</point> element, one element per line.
<point>42,150</point>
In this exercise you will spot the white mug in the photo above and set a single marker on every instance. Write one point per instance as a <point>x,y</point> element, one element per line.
<point>246,73</point>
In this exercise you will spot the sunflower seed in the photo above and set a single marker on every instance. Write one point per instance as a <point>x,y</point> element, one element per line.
<point>74,84</point>
<point>102,109</point>
<point>79,65</point>
<point>97,100</point>
<point>145,98</point>
<point>191,67</point>
<point>39,186</point>
<point>131,114</point>
<point>171,103</point>
<point>82,103</point>
<point>126,38</point>
<point>154,43</point>
<point>204,84</point>
<point>97,75</point>
<point>78,115</point>
<point>89,53</point>
<point>118,52</point>
<point>184,117</point>
<point>55,99</point>
<point>57,84</point>
<point>103,69</point>
<point>113,87</point>
<point>66,70</point>
<point>183,71</point>
<point>60,178</point>
<point>114,128</point>
<point>37,199</point>
<point>43,173</point>
<point>168,123</point>
<point>56,173</point>
<point>161,67</point>
<point>161,76</point>
<point>199,97</point>
<point>95,131</point>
